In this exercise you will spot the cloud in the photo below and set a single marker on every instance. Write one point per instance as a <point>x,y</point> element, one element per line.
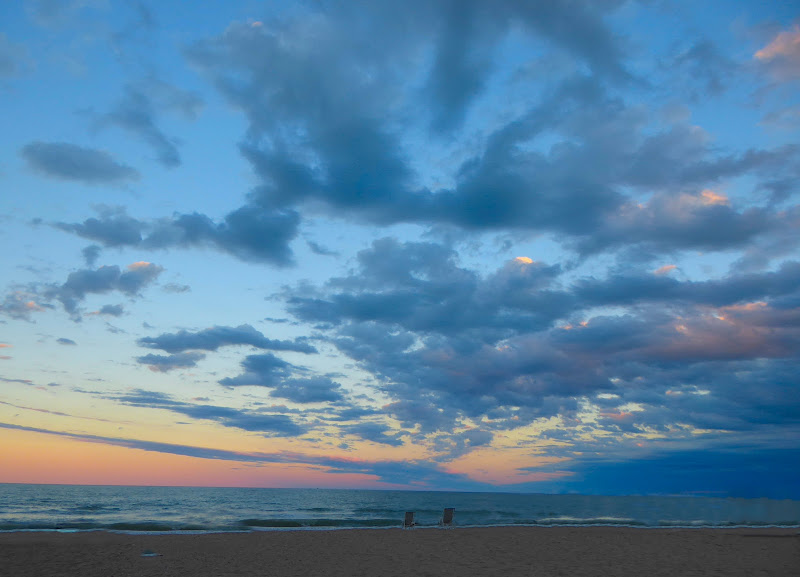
<point>666,269</point>
<point>327,140</point>
<point>734,472</point>
<point>309,390</point>
<point>114,228</point>
<point>101,281</point>
<point>417,473</point>
<point>703,68</point>
<point>352,160</point>
<point>22,302</point>
<point>267,422</point>
<point>177,288</point>
<point>213,338</point>
<point>71,162</point>
<point>374,432</point>
<point>250,233</point>
<point>136,114</point>
<point>90,254</point>
<point>782,55</point>
<point>111,310</point>
<point>63,341</point>
<point>163,364</point>
<point>265,370</point>
<point>451,347</point>
<point>287,381</point>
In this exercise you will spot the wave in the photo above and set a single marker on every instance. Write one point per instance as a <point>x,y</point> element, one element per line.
<point>331,523</point>
<point>144,527</point>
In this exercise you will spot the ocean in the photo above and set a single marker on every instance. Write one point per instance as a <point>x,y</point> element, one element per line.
<point>195,509</point>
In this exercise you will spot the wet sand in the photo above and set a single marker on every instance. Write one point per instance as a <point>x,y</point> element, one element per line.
<point>505,551</point>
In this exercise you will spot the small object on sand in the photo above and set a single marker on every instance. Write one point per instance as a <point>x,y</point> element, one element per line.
<point>149,553</point>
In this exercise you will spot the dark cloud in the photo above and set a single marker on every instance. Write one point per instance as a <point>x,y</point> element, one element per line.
<point>265,370</point>
<point>63,341</point>
<point>114,228</point>
<point>90,254</point>
<point>265,422</point>
<point>111,310</point>
<point>421,286</point>
<point>702,66</point>
<point>522,343</point>
<point>177,288</point>
<point>374,432</point>
<point>249,233</point>
<point>287,381</point>
<point>733,472</point>
<point>215,337</point>
<point>71,162</point>
<point>317,248</point>
<point>101,281</point>
<point>165,363</point>
<point>308,390</point>
<point>351,159</point>
<point>323,136</point>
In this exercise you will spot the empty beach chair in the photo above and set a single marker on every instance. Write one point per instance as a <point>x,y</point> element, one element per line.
<point>408,520</point>
<point>447,517</point>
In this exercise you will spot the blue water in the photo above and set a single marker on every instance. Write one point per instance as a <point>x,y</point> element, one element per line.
<point>168,509</point>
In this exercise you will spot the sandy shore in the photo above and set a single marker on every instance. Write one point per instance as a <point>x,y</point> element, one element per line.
<point>528,551</point>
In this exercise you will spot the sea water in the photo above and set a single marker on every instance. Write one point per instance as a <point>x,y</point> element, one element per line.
<point>195,509</point>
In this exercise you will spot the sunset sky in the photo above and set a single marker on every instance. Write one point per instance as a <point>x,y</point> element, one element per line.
<point>515,246</point>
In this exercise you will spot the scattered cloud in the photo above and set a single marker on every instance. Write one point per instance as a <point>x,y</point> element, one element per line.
<point>136,114</point>
<point>71,162</point>
<point>101,281</point>
<point>250,233</point>
<point>213,338</point>
<point>266,422</point>
<point>165,363</point>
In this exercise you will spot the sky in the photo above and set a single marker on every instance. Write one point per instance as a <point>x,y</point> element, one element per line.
<point>453,245</point>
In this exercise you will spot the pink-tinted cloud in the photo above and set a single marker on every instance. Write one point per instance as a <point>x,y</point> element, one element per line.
<point>666,269</point>
<point>782,54</point>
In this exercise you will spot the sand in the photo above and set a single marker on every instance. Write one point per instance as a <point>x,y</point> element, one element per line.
<point>501,551</point>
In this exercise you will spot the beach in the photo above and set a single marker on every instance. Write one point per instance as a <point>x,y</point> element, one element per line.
<point>507,551</point>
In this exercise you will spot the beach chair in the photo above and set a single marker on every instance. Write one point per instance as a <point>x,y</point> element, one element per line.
<point>447,517</point>
<point>408,520</point>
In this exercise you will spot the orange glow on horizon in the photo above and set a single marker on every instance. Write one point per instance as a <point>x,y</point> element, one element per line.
<point>29,457</point>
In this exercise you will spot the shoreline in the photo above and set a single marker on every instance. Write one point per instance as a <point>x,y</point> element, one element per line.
<point>318,528</point>
<point>510,551</point>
